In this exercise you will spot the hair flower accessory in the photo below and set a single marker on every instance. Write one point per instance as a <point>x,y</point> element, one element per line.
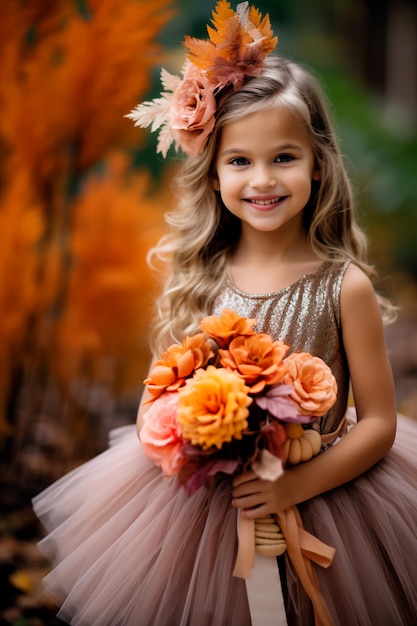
<point>184,113</point>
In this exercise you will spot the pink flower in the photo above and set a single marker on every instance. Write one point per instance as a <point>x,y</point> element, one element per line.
<point>161,436</point>
<point>192,113</point>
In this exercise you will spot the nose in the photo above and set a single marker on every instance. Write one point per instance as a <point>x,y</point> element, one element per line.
<point>263,177</point>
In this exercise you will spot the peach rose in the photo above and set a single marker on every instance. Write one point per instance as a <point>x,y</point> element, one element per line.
<point>223,329</point>
<point>257,359</point>
<point>192,113</point>
<point>178,363</point>
<point>161,435</point>
<point>314,386</point>
<point>213,408</point>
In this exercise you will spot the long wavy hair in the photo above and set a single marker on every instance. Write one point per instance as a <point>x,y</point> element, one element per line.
<point>202,232</point>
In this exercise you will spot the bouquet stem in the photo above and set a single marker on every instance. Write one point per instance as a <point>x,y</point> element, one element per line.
<point>269,540</point>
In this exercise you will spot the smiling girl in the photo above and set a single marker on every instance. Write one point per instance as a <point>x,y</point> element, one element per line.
<point>265,227</point>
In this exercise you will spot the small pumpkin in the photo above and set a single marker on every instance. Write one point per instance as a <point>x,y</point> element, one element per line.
<point>301,445</point>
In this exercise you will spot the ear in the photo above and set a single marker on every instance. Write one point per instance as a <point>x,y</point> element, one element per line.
<point>215,183</point>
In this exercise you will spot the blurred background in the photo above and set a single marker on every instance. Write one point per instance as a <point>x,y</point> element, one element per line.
<point>82,198</point>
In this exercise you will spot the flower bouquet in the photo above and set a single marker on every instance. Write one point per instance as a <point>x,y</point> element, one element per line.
<point>229,399</point>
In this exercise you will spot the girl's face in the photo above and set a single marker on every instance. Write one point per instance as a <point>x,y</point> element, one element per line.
<point>264,166</point>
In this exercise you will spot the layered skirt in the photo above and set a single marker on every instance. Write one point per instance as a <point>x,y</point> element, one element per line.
<point>131,548</point>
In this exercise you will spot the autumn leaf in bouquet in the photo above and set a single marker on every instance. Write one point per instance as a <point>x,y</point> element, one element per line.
<point>230,399</point>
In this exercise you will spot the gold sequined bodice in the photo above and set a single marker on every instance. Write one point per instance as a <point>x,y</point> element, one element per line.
<point>306,315</point>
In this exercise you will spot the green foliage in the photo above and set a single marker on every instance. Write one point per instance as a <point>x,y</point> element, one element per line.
<point>382,158</point>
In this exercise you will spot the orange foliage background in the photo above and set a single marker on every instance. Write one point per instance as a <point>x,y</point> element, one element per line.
<point>76,219</point>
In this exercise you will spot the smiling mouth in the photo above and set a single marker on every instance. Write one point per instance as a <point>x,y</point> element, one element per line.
<point>266,202</point>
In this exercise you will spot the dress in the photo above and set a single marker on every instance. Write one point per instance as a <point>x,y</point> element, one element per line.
<point>132,549</point>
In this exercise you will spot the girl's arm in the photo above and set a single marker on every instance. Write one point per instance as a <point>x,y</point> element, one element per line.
<point>366,443</point>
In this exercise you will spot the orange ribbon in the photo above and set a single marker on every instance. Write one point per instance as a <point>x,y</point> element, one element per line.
<point>302,548</point>
<point>245,548</point>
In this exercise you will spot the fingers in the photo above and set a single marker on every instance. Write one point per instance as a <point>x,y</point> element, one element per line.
<point>248,503</point>
<point>244,477</point>
<point>252,506</point>
<point>259,511</point>
<point>249,495</point>
<point>252,495</point>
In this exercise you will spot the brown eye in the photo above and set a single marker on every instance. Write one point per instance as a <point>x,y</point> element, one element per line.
<point>284,158</point>
<point>239,161</point>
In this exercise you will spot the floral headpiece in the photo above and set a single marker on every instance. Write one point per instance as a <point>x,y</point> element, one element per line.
<point>185,111</point>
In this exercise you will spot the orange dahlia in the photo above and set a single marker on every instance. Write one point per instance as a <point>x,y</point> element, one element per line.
<point>257,359</point>
<point>213,407</point>
<point>178,363</point>
<point>223,329</point>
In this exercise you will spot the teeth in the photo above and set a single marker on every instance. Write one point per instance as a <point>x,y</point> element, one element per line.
<point>265,202</point>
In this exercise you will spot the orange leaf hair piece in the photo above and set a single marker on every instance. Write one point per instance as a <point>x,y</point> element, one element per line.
<point>237,46</point>
<point>268,41</point>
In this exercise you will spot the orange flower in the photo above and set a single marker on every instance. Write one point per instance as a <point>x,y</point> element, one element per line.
<point>314,386</point>
<point>223,329</point>
<point>257,359</point>
<point>213,408</point>
<point>178,363</point>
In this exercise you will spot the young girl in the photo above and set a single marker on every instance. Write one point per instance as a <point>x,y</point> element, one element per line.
<point>265,226</point>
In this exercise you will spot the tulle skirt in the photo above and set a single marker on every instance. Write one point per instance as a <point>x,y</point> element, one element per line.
<point>130,548</point>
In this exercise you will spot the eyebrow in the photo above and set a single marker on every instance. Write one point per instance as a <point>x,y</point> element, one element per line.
<point>287,146</point>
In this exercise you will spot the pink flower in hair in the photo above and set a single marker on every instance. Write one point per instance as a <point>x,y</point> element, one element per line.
<point>192,112</point>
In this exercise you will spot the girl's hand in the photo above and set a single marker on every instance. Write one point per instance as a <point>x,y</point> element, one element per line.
<point>256,497</point>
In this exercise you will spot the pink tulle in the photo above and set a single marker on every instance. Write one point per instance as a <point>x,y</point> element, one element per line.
<point>131,548</point>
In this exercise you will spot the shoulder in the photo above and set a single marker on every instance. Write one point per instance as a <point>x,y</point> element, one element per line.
<point>360,310</point>
<point>357,288</point>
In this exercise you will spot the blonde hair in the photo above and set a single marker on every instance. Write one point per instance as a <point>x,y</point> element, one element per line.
<point>203,232</point>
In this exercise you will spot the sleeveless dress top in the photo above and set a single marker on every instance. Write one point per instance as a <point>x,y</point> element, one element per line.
<point>306,316</point>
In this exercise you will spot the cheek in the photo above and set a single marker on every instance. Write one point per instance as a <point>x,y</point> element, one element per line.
<point>304,179</point>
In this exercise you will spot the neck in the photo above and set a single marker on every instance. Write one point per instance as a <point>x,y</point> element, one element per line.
<point>266,262</point>
<point>257,247</point>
